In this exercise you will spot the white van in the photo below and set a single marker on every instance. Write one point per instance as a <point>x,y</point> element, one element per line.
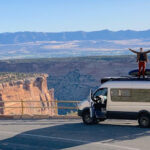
<point>125,99</point>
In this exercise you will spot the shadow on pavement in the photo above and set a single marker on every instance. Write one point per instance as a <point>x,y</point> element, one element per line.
<point>49,138</point>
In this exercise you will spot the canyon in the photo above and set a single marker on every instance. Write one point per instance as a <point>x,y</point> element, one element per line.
<point>72,78</point>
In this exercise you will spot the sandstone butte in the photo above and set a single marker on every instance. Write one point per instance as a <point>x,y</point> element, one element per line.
<point>28,95</point>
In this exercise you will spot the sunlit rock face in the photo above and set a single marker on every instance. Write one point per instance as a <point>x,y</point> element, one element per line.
<point>28,95</point>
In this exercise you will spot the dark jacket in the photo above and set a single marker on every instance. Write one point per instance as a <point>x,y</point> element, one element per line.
<point>142,57</point>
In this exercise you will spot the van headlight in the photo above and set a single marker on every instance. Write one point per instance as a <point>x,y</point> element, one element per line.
<point>82,104</point>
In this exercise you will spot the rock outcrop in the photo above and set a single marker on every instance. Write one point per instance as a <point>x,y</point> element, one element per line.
<point>26,96</point>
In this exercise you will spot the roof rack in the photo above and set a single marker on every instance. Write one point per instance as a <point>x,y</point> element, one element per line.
<point>123,78</point>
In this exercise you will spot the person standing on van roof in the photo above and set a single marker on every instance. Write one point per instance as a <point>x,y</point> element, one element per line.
<point>142,60</point>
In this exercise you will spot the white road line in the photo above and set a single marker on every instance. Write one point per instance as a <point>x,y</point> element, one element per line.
<point>68,139</point>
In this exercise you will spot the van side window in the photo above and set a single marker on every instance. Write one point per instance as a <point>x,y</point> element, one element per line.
<point>120,92</point>
<point>130,95</point>
<point>121,95</point>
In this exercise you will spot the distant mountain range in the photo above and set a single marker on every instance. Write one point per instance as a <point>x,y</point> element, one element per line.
<point>23,37</point>
<point>71,44</point>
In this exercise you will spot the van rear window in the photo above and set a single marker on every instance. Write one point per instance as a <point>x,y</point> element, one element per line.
<point>130,95</point>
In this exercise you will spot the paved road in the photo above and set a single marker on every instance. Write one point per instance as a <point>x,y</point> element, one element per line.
<point>72,135</point>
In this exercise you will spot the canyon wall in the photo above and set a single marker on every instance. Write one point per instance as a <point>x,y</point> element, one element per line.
<point>29,96</point>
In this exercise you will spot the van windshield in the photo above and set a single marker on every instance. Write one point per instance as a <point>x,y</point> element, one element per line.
<point>102,92</point>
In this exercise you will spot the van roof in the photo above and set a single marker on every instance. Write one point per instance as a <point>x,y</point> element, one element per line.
<point>136,84</point>
<point>124,78</point>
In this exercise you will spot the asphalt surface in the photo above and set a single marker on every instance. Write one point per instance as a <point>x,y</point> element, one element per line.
<point>72,134</point>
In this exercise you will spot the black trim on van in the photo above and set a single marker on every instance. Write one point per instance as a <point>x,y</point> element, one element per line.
<point>122,115</point>
<point>80,112</point>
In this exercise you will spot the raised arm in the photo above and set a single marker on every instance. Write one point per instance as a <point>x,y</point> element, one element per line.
<point>147,51</point>
<point>133,51</point>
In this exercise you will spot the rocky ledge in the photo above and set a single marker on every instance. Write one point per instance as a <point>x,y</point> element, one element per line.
<point>26,94</point>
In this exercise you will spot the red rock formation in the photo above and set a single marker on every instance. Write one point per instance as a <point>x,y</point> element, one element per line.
<point>30,96</point>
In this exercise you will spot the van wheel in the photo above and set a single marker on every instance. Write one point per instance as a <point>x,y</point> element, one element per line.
<point>87,119</point>
<point>144,120</point>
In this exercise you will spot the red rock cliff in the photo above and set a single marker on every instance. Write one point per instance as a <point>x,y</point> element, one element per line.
<point>27,96</point>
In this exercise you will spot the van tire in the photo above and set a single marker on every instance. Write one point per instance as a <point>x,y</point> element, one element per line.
<point>144,120</point>
<point>87,119</point>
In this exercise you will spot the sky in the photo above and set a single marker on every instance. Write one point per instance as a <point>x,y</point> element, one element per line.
<point>73,15</point>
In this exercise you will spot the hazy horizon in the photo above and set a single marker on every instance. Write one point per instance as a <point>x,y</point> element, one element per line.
<point>77,31</point>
